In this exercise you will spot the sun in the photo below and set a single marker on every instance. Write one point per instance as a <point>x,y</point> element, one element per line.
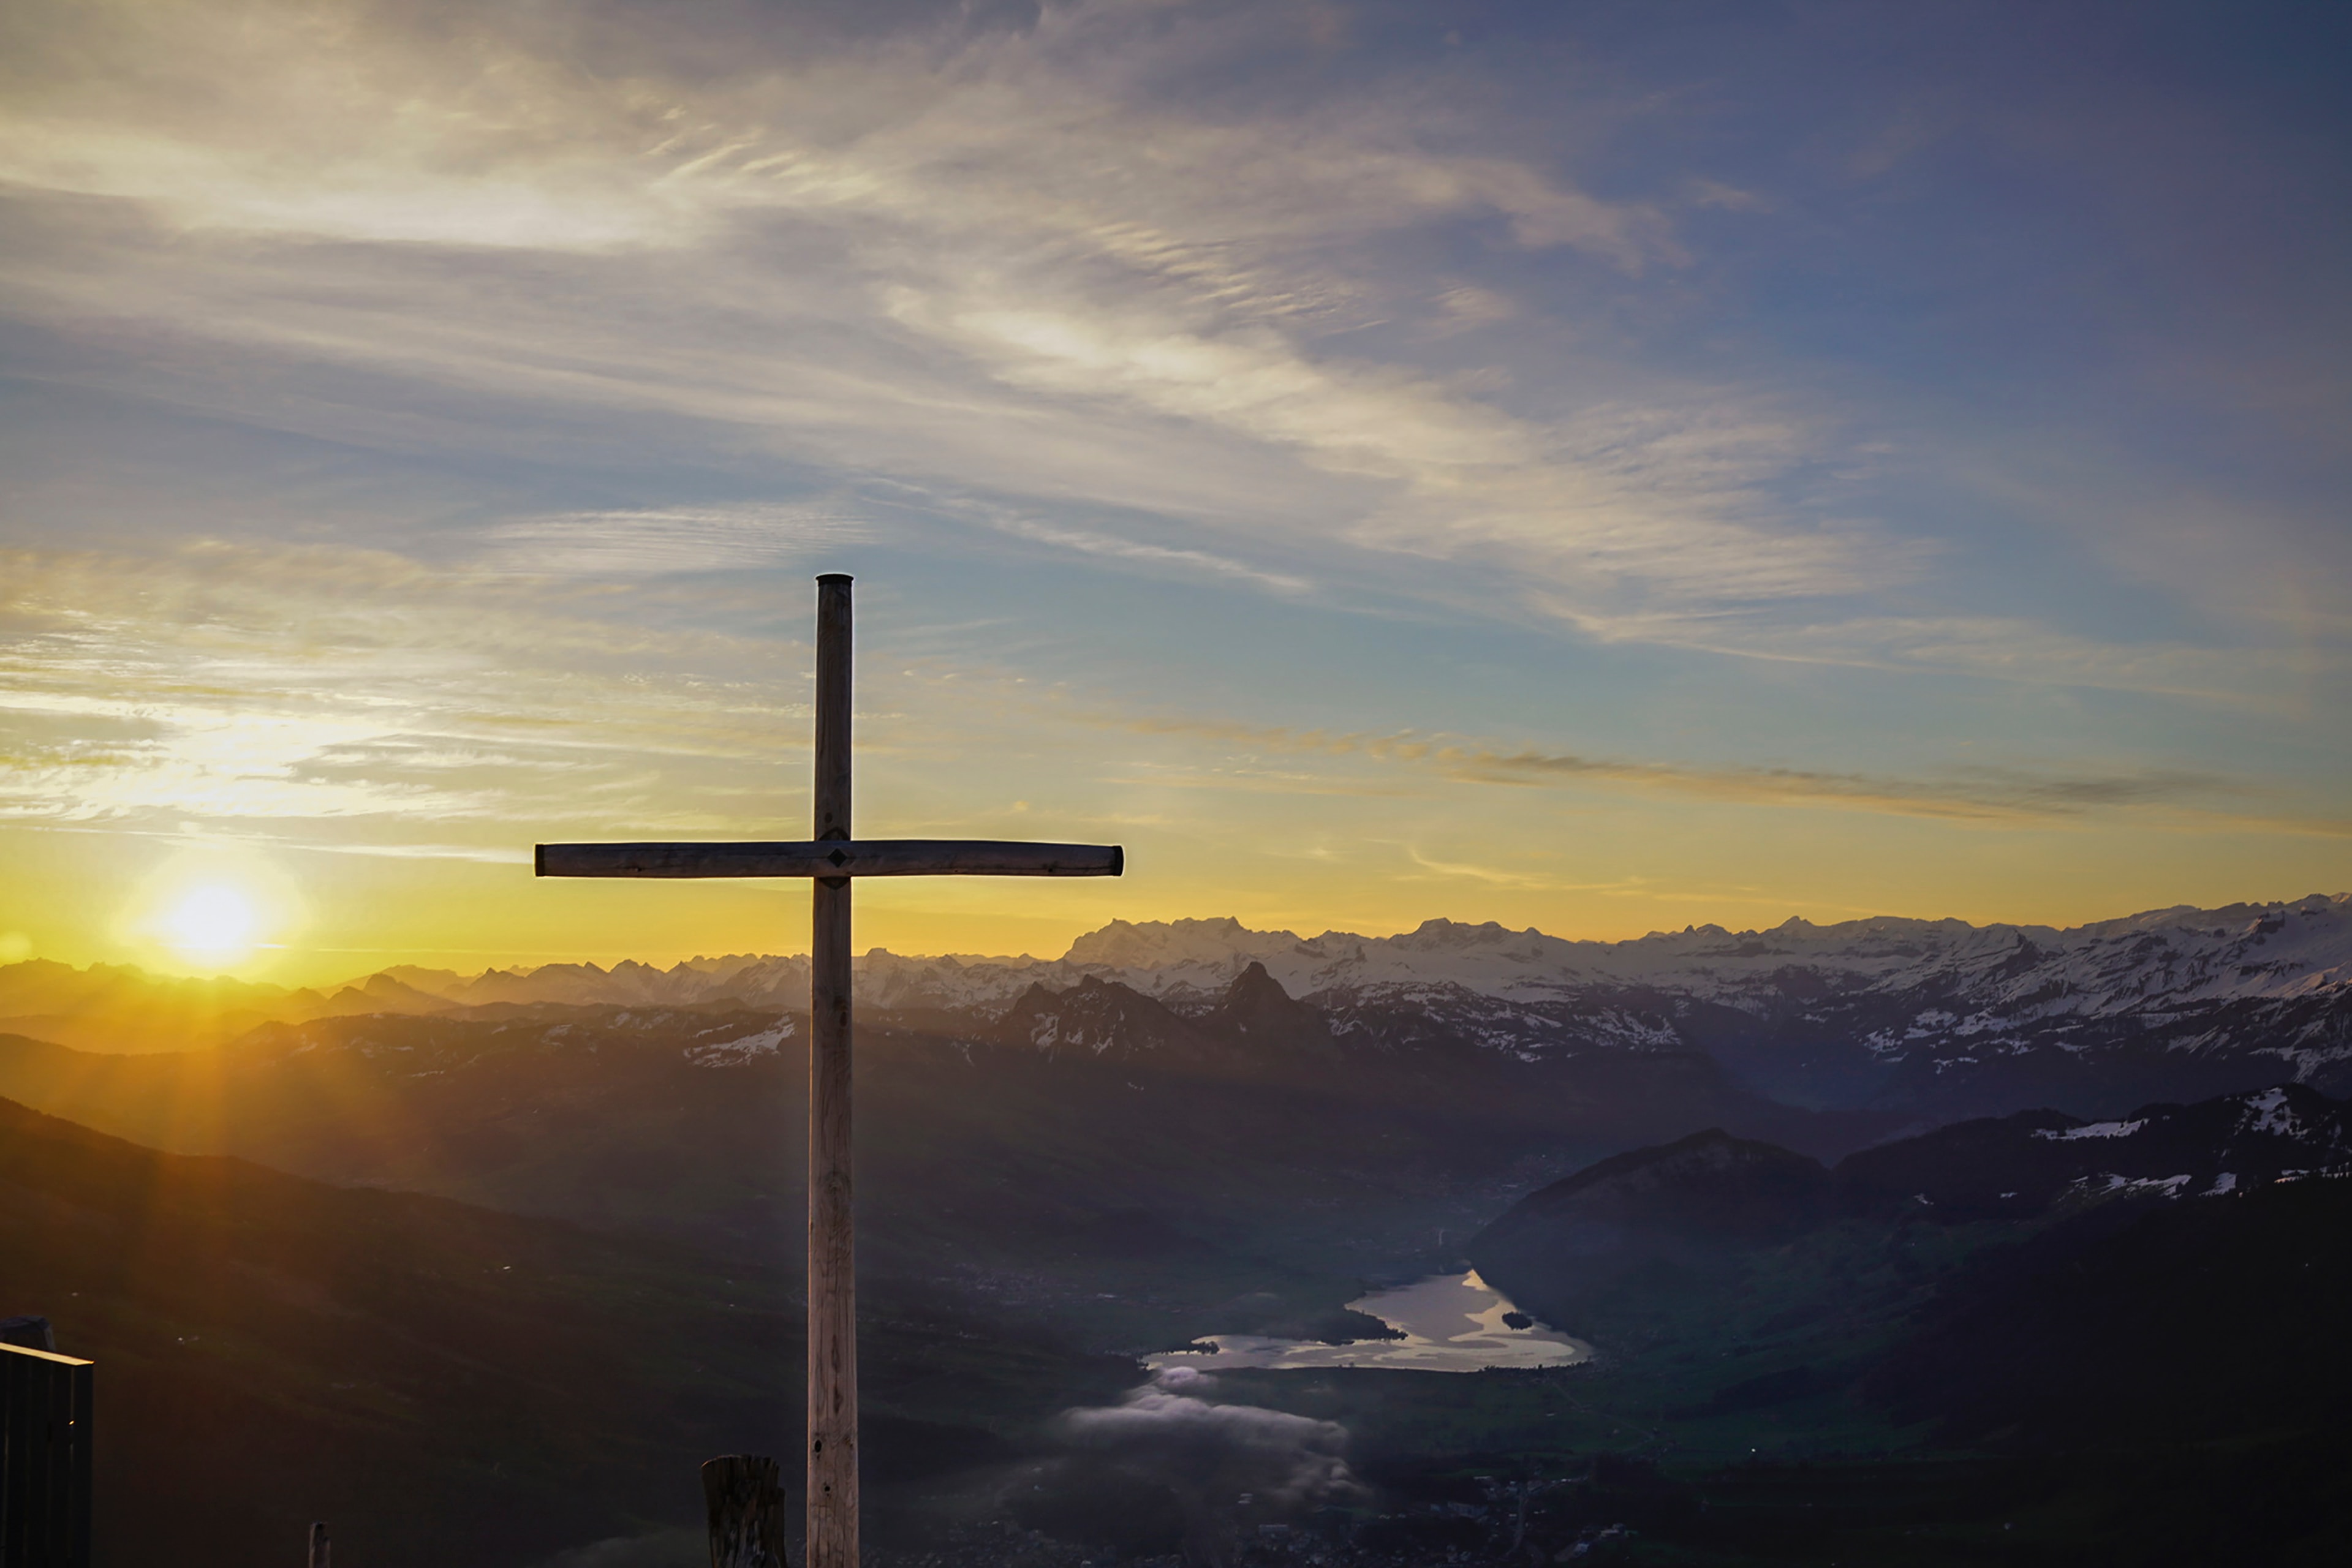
<point>212,920</point>
<point>212,909</point>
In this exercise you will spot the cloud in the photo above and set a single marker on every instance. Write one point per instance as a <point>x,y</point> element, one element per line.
<point>1039,264</point>
<point>2008,649</point>
<point>321,686</point>
<point>1099,544</point>
<point>1497,876</point>
<point>319,690</point>
<point>1966,792</point>
<point>663,308</point>
<point>930,256</point>
<point>1977,793</point>
<point>655,542</point>
<point>1170,1428</point>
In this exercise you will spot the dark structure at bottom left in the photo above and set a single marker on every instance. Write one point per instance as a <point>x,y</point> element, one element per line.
<point>45,1449</point>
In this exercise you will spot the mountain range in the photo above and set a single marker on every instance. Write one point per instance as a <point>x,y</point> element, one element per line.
<point>1941,1019</point>
<point>1692,1204</point>
<point>1799,1188</point>
<point>2111,1341</point>
<point>2131,1356</point>
<point>1091,1151</point>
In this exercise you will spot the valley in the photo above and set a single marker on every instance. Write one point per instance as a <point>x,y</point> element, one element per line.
<point>1816,1278</point>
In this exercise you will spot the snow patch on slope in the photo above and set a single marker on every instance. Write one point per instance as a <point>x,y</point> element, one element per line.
<point>2268,1113</point>
<point>2089,1130</point>
<point>742,1050</point>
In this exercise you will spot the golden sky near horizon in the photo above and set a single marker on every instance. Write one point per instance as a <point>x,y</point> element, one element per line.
<point>1567,472</point>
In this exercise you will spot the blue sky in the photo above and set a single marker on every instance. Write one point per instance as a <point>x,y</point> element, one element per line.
<point>1594,467</point>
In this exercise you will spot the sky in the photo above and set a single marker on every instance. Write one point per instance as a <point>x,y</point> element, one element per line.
<point>1598,466</point>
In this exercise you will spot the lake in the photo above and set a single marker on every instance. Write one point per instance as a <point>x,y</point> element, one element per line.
<point>1451,1323</point>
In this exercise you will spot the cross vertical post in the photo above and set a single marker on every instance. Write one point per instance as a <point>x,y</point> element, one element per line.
<point>831,860</point>
<point>831,1434</point>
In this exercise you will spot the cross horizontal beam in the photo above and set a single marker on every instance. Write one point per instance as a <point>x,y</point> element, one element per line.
<point>834,857</point>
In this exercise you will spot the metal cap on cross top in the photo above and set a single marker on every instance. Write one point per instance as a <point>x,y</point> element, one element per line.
<point>832,858</point>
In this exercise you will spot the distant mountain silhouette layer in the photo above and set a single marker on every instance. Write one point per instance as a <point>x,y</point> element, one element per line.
<point>121,1007</point>
<point>2122,1337</point>
<point>1094,1130</point>
<point>1941,1019</point>
<point>1701,1202</point>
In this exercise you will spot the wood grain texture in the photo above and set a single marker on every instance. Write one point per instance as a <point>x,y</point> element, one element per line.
<point>870,857</point>
<point>831,1248</point>
<point>831,1434</point>
<point>834,666</point>
<point>745,1496</point>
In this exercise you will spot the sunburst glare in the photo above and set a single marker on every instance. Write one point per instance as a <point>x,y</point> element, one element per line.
<point>212,922</point>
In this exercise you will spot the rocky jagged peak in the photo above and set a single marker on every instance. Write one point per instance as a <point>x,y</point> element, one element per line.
<point>1093,997</point>
<point>1095,1016</point>
<point>2022,959</point>
<point>1256,1006</point>
<point>1254,984</point>
<point>1030,1001</point>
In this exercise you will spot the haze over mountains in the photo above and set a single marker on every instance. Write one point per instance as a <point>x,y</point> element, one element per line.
<point>1939,1017</point>
<point>447,1385</point>
<point>1123,1113</point>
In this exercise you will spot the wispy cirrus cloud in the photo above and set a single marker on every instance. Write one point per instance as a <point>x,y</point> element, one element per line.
<point>1089,542</point>
<point>931,256</point>
<point>1972,793</point>
<point>1963,792</point>
<point>919,258</point>
<point>226,684</point>
<point>2000,648</point>
<point>660,542</point>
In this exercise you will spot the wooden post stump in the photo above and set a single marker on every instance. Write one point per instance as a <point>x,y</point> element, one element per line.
<point>747,1510</point>
<point>323,1551</point>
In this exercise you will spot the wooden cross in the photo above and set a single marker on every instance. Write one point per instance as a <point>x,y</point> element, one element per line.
<point>832,858</point>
